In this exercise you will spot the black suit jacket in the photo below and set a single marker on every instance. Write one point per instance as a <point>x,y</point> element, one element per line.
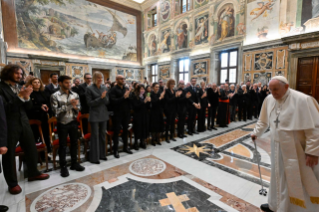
<point>76,89</point>
<point>36,112</point>
<point>195,95</point>
<point>3,127</point>
<point>213,97</point>
<point>49,90</point>
<point>84,105</point>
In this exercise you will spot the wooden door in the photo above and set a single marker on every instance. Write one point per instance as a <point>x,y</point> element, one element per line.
<point>106,73</point>
<point>45,75</point>
<point>308,76</point>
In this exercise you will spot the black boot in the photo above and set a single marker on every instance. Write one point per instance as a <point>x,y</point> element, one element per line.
<point>142,144</point>
<point>116,154</point>
<point>158,142</point>
<point>265,208</point>
<point>136,145</point>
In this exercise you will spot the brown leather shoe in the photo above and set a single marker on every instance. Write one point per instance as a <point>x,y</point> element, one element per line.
<point>39,177</point>
<point>15,190</point>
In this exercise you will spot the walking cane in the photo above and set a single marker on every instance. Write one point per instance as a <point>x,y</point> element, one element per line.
<point>262,191</point>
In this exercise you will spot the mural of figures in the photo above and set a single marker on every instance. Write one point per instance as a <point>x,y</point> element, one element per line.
<point>262,21</point>
<point>263,61</point>
<point>264,78</point>
<point>201,29</point>
<point>247,77</point>
<point>200,68</point>
<point>152,45</point>
<point>164,72</point>
<point>199,3</point>
<point>165,11</point>
<point>165,45</point>
<point>182,36</point>
<point>76,27</point>
<point>129,74</point>
<point>226,23</point>
<point>241,29</point>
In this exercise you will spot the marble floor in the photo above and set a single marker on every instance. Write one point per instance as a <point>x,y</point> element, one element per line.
<point>215,171</point>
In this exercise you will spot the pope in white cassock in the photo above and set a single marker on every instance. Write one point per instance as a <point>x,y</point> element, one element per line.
<point>293,118</point>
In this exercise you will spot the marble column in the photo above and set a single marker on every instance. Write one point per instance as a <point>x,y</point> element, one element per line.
<point>214,67</point>
<point>174,69</point>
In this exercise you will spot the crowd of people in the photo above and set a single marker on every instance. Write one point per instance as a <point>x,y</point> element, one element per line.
<point>153,111</point>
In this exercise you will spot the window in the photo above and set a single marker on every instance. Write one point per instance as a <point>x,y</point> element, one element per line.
<point>183,72</point>
<point>154,19</point>
<point>228,66</point>
<point>154,73</point>
<point>185,6</point>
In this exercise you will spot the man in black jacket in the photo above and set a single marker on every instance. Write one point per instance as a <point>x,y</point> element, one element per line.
<point>249,105</point>
<point>119,98</point>
<point>16,101</point>
<point>76,87</point>
<point>193,106</point>
<point>254,100</point>
<point>84,105</point>
<point>182,108</point>
<point>53,86</point>
<point>213,98</point>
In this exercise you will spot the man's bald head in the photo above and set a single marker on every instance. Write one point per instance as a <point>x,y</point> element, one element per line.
<point>120,80</point>
<point>278,88</point>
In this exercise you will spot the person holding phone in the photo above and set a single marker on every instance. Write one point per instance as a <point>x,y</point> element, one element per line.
<point>39,111</point>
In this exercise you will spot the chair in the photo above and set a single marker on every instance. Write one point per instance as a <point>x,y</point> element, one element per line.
<point>41,147</point>
<point>87,137</point>
<point>55,143</point>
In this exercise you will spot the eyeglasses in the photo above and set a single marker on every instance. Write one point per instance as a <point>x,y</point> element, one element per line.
<point>88,78</point>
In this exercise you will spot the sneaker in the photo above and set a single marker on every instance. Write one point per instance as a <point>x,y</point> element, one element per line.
<point>77,167</point>
<point>64,171</point>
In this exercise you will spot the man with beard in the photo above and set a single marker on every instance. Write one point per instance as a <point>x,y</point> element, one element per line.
<point>53,86</point>
<point>16,100</point>
<point>182,101</point>
<point>84,106</point>
<point>66,106</point>
<point>213,98</point>
<point>193,106</point>
<point>76,87</point>
<point>119,97</point>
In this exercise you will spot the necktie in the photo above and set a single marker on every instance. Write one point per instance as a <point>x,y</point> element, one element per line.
<point>194,89</point>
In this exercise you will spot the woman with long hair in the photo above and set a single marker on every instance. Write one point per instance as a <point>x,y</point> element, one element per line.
<point>156,114</point>
<point>203,106</point>
<point>97,100</point>
<point>39,110</point>
<point>140,103</point>
<point>170,108</point>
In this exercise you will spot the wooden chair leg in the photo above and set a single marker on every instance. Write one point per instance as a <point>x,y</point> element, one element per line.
<point>20,162</point>
<point>39,158</point>
<point>46,159</point>
<point>79,151</point>
<point>54,157</point>
<point>106,142</point>
<point>111,145</point>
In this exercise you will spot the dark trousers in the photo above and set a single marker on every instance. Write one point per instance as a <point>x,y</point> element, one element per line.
<point>22,133</point>
<point>45,132</point>
<point>255,109</point>
<point>191,118</point>
<point>249,109</point>
<point>211,116</point>
<point>241,112</point>
<point>201,120</point>
<point>181,122</point>
<point>85,125</point>
<point>65,130</point>
<point>98,141</point>
<point>232,111</point>
<point>118,121</point>
<point>170,123</point>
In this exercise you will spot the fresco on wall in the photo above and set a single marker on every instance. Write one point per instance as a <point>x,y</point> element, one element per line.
<point>201,29</point>
<point>199,3</point>
<point>165,11</point>
<point>152,46</point>
<point>164,73</point>
<point>263,61</point>
<point>264,78</point>
<point>226,22</point>
<point>129,74</point>
<point>76,27</point>
<point>262,21</point>
<point>120,72</point>
<point>165,45</point>
<point>182,35</point>
<point>77,71</point>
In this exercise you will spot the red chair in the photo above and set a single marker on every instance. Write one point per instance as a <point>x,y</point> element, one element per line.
<point>87,137</point>
<point>55,143</point>
<point>41,147</point>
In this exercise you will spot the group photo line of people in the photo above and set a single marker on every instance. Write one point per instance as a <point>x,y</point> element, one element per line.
<point>43,120</point>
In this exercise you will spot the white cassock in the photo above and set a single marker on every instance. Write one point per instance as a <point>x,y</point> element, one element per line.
<point>294,187</point>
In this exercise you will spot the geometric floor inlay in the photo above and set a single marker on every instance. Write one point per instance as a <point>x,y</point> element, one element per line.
<point>147,167</point>
<point>240,149</point>
<point>66,197</point>
<point>226,138</point>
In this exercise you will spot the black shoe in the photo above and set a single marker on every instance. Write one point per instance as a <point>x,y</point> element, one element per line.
<point>168,141</point>
<point>209,128</point>
<point>98,162</point>
<point>265,208</point>
<point>173,139</point>
<point>195,132</point>
<point>64,172</point>
<point>153,143</point>
<point>116,154</point>
<point>103,159</point>
<point>142,145</point>
<point>180,136</point>
<point>128,151</point>
<point>214,128</point>
<point>191,134</point>
<point>158,143</point>
<point>3,208</point>
<point>136,146</point>
<point>78,167</point>
<point>184,136</point>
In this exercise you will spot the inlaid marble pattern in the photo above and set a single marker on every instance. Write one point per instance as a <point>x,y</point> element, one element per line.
<point>65,198</point>
<point>226,138</point>
<point>111,176</point>
<point>240,149</point>
<point>147,167</point>
<point>249,127</point>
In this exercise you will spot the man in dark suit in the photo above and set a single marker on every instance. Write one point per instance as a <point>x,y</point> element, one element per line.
<point>76,87</point>
<point>84,105</point>
<point>16,101</point>
<point>182,101</point>
<point>161,85</point>
<point>53,86</point>
<point>213,98</point>
<point>193,106</point>
<point>3,140</point>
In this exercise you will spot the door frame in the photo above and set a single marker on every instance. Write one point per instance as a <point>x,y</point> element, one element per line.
<point>38,68</point>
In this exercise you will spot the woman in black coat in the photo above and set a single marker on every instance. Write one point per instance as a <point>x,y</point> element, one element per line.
<point>39,111</point>
<point>170,108</point>
<point>246,100</point>
<point>141,104</point>
<point>263,94</point>
<point>156,114</point>
<point>204,104</point>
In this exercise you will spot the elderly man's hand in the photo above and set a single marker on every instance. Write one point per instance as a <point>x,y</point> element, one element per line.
<point>311,160</point>
<point>3,150</point>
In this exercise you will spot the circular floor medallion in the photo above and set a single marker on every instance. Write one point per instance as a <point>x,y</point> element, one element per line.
<point>66,197</point>
<point>147,167</point>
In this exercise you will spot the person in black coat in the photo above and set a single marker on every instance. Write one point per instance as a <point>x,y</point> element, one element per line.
<point>193,106</point>
<point>16,102</point>
<point>213,98</point>
<point>140,103</point>
<point>204,104</point>
<point>76,87</point>
<point>240,96</point>
<point>249,105</point>
<point>233,98</point>
<point>223,109</point>
<point>121,104</point>
<point>254,100</point>
<point>156,114</point>
<point>170,108</point>
<point>53,86</point>
<point>40,111</point>
<point>182,103</point>
<point>84,105</point>
<point>263,94</point>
